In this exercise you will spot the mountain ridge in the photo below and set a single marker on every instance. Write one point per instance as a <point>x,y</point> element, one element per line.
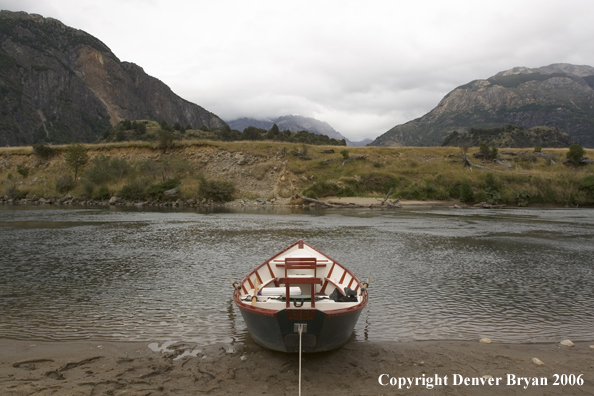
<point>559,95</point>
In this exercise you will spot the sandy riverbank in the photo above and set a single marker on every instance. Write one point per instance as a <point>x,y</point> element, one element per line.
<point>102,368</point>
<point>376,201</point>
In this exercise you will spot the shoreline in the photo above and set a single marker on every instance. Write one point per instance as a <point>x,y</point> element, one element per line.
<point>95,367</point>
<point>356,202</point>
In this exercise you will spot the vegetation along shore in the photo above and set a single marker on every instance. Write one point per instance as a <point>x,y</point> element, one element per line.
<point>203,172</point>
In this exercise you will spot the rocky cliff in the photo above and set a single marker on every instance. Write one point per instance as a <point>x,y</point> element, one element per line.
<point>60,84</point>
<point>559,96</point>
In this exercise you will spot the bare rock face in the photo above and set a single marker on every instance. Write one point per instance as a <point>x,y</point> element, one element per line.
<point>558,95</point>
<point>60,84</point>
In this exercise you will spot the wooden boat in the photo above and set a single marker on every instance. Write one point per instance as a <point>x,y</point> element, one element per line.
<point>300,286</point>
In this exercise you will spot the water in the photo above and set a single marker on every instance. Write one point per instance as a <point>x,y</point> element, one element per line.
<point>515,276</point>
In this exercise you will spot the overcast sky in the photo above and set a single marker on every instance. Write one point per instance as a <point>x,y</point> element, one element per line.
<point>361,66</point>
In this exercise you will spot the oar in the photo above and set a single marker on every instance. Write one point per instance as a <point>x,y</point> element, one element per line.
<point>256,287</point>
<point>365,285</point>
<point>235,285</point>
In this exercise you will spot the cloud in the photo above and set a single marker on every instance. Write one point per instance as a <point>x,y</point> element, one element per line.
<point>363,67</point>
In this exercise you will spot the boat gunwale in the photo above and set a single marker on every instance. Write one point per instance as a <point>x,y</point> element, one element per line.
<point>273,312</point>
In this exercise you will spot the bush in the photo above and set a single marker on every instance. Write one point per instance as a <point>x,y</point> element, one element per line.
<point>489,153</point>
<point>218,191</point>
<point>165,137</point>
<point>323,189</point>
<point>575,154</point>
<point>587,185</point>
<point>156,190</point>
<point>88,187</point>
<point>103,193</point>
<point>106,169</point>
<point>466,193</point>
<point>132,191</point>
<point>522,197</point>
<point>43,152</point>
<point>14,193</point>
<point>64,183</point>
<point>23,171</point>
<point>492,189</point>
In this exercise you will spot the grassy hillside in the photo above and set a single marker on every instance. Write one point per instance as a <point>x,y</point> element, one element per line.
<point>266,170</point>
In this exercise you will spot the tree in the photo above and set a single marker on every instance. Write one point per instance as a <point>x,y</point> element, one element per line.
<point>575,154</point>
<point>76,157</point>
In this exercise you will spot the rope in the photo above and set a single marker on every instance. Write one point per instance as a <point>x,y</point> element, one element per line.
<point>300,332</point>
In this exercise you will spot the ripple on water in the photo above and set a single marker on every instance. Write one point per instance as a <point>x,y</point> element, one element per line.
<point>512,276</point>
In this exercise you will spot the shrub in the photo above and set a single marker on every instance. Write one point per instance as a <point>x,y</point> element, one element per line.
<point>88,187</point>
<point>466,193</point>
<point>323,189</point>
<point>14,193</point>
<point>522,197</point>
<point>492,189</point>
<point>132,191</point>
<point>587,185</point>
<point>575,154</point>
<point>64,183</point>
<point>345,154</point>
<point>23,171</point>
<point>103,193</point>
<point>43,152</point>
<point>537,149</point>
<point>165,137</point>
<point>156,190</point>
<point>489,153</point>
<point>218,191</point>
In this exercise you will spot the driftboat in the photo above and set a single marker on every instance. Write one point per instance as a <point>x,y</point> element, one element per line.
<point>300,296</point>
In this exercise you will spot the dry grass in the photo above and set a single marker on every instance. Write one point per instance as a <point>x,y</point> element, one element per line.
<point>414,172</point>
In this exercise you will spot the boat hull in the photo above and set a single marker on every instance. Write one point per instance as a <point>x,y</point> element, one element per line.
<point>325,331</point>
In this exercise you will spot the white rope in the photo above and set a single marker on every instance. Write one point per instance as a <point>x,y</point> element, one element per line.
<point>300,332</point>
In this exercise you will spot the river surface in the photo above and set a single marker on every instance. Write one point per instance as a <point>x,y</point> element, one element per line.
<point>515,275</point>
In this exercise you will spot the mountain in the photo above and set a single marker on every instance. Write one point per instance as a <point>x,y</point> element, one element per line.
<point>559,96</point>
<point>294,123</point>
<point>362,143</point>
<point>60,84</point>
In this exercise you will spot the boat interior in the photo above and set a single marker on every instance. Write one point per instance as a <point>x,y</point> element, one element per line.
<point>301,272</point>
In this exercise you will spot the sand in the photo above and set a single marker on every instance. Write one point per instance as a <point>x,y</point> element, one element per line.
<point>103,368</point>
<point>377,201</point>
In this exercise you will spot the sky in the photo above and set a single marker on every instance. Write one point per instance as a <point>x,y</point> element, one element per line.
<point>362,66</point>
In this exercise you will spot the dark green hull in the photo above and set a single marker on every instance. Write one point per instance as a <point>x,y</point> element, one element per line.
<point>324,331</point>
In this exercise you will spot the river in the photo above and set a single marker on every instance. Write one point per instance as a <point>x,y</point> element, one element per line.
<point>124,274</point>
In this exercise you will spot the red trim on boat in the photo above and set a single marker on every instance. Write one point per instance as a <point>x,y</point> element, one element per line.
<point>260,279</point>
<point>350,283</point>
<point>323,289</point>
<point>270,269</point>
<point>331,269</point>
<point>251,284</point>
<point>343,275</point>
